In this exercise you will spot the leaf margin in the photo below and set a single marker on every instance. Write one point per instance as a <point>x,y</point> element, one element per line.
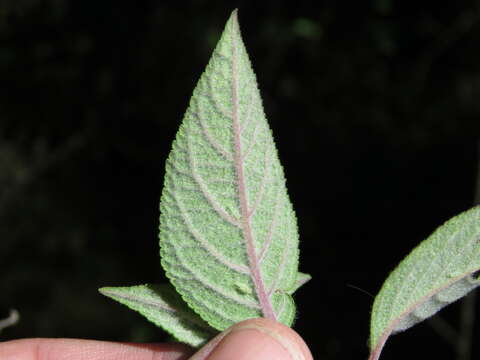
<point>191,329</point>
<point>286,300</point>
<point>457,223</point>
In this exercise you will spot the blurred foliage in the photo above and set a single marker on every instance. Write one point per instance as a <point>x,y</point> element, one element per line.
<point>374,105</point>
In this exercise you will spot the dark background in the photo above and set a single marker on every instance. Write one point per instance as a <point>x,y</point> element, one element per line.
<point>374,106</point>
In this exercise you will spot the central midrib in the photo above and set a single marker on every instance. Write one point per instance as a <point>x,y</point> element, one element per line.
<point>262,296</point>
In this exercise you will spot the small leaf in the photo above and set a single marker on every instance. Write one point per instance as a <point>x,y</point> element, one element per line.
<point>162,305</point>
<point>437,272</point>
<point>228,233</point>
<point>302,278</point>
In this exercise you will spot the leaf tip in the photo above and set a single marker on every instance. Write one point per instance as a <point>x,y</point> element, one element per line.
<point>233,20</point>
<point>105,291</point>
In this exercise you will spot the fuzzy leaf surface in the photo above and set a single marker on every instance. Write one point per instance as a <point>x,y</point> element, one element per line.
<point>163,306</point>
<point>302,278</point>
<point>228,233</point>
<point>436,273</point>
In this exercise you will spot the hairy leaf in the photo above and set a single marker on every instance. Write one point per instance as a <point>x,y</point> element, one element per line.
<point>163,306</point>
<point>437,272</point>
<point>228,233</point>
<point>302,278</point>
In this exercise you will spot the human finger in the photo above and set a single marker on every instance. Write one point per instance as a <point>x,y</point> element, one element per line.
<point>256,339</point>
<point>75,349</point>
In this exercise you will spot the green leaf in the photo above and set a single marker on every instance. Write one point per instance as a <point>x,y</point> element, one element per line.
<point>436,273</point>
<point>302,278</point>
<point>162,305</point>
<point>228,233</point>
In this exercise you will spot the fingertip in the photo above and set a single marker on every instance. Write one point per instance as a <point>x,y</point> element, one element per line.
<point>258,339</point>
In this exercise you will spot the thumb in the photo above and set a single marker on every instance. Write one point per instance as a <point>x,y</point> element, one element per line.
<point>260,339</point>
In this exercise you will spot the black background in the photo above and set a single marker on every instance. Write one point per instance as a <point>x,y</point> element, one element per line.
<point>375,110</point>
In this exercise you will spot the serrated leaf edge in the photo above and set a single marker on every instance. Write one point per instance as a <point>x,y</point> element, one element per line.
<point>263,295</point>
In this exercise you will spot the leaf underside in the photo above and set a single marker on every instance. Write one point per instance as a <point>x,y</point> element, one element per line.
<point>228,233</point>
<point>436,273</point>
<point>163,306</point>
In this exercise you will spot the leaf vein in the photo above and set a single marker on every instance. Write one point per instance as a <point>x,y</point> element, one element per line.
<point>265,177</point>
<point>267,242</point>
<point>251,104</point>
<point>210,139</point>
<point>253,141</point>
<point>204,243</point>
<point>281,268</point>
<point>199,279</point>
<point>256,275</point>
<point>220,211</point>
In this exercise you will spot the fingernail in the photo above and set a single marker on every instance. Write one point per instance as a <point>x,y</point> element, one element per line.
<point>254,341</point>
